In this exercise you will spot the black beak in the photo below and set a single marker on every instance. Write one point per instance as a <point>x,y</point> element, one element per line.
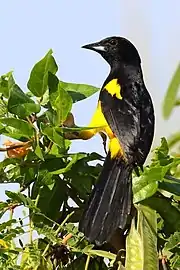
<point>97,47</point>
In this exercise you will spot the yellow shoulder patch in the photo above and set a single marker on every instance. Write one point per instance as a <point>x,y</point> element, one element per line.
<point>113,88</point>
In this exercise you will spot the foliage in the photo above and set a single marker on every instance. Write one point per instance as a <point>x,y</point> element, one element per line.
<point>172,101</point>
<point>54,184</point>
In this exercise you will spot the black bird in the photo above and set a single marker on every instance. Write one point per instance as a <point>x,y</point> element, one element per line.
<point>125,114</point>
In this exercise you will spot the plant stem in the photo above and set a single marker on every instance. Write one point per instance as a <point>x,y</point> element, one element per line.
<point>37,199</point>
<point>87,262</point>
<point>46,249</point>
<point>58,229</point>
<point>49,147</point>
<point>10,217</point>
<point>68,216</point>
<point>30,220</point>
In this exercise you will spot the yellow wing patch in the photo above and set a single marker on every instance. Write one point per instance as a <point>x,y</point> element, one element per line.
<point>114,88</point>
<point>115,148</point>
<point>99,122</point>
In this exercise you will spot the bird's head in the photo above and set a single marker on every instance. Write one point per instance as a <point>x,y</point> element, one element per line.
<point>116,50</point>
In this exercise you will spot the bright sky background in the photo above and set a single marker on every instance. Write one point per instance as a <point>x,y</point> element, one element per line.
<point>30,28</point>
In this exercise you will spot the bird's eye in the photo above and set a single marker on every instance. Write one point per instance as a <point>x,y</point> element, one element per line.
<point>113,42</point>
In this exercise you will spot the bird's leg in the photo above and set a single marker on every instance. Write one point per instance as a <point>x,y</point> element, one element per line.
<point>104,139</point>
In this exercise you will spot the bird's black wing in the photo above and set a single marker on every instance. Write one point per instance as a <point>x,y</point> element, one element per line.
<point>146,127</point>
<point>123,117</point>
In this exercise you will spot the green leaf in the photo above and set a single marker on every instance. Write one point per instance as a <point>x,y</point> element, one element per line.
<point>167,211</point>
<point>6,82</point>
<point>47,231</point>
<point>38,80</point>
<point>18,197</point>
<point>75,129</point>
<point>51,164</point>
<point>134,251</point>
<point>146,185</point>
<point>147,227</point>
<point>44,99</point>
<point>78,91</point>
<point>163,148</point>
<point>173,241</point>
<point>174,139</point>
<point>51,200</point>
<point>102,253</point>
<point>143,192</point>
<point>171,187</point>
<point>88,248</point>
<point>51,117</point>
<point>78,264</point>
<point>171,95</point>
<point>17,126</point>
<point>3,108</point>
<point>74,159</point>
<point>3,205</point>
<point>6,224</point>
<point>161,154</point>
<point>59,99</point>
<point>20,104</point>
<point>21,198</point>
<point>31,257</point>
<point>9,161</point>
<point>175,262</point>
<point>13,173</point>
<point>38,152</point>
<point>52,135</point>
<point>81,183</point>
<point>11,132</point>
<point>141,242</point>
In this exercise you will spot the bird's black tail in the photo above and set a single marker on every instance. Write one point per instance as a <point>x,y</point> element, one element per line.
<point>110,202</point>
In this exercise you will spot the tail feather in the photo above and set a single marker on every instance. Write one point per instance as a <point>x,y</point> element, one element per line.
<point>110,202</point>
